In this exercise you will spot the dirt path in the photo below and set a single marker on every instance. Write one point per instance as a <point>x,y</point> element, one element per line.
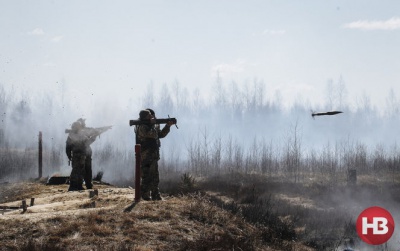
<point>53,200</point>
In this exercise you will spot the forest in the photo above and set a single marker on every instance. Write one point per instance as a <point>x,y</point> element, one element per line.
<point>238,139</point>
<point>232,128</point>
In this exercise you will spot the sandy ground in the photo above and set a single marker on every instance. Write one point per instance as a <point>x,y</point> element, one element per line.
<point>112,220</point>
<point>53,200</point>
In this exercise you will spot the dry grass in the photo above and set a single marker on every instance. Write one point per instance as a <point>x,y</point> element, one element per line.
<point>319,214</point>
<point>235,212</point>
<point>188,222</point>
<point>14,191</point>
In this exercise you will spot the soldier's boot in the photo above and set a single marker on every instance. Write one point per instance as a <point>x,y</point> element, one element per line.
<point>88,184</point>
<point>155,195</point>
<point>80,187</point>
<point>146,195</point>
<point>73,186</point>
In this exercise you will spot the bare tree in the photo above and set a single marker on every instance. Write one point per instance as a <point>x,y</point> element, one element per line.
<point>259,89</point>
<point>196,101</point>
<point>336,94</point>
<point>148,98</point>
<point>392,105</point>
<point>229,149</point>
<point>293,154</point>
<point>180,97</point>
<point>219,94</point>
<point>216,155</point>
<point>330,98</point>
<point>341,93</point>
<point>165,104</point>
<point>4,100</point>
<point>235,101</point>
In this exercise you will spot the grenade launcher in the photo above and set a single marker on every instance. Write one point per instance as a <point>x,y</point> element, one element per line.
<point>157,121</point>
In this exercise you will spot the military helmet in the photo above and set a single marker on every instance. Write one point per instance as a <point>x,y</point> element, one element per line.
<point>143,114</point>
<point>82,121</point>
<point>151,111</point>
<point>76,126</point>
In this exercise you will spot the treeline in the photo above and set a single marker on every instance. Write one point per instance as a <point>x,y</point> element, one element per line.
<point>241,128</point>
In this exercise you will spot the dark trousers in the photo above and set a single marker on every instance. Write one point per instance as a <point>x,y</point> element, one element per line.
<point>150,178</point>
<point>78,172</point>
<point>88,172</point>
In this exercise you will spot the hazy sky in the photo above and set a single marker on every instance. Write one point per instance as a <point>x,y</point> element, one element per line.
<point>118,47</point>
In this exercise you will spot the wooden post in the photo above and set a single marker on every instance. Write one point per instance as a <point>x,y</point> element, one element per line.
<point>352,177</point>
<point>93,193</point>
<point>32,202</point>
<point>24,207</point>
<point>40,155</point>
<point>137,171</point>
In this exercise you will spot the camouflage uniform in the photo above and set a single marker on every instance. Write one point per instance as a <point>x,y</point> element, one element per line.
<point>148,136</point>
<point>88,155</point>
<point>88,167</point>
<point>75,150</point>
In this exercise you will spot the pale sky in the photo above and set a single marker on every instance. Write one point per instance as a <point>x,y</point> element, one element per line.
<point>116,48</point>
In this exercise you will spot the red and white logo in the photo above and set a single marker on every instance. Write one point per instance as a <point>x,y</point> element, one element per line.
<point>375,225</point>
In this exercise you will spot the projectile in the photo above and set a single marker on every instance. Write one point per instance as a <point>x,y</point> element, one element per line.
<point>325,113</point>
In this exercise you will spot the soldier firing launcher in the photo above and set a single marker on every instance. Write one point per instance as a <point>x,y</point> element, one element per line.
<point>157,121</point>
